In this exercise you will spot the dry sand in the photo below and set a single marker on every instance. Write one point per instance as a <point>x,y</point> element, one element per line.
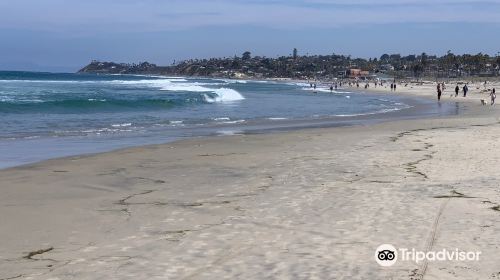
<point>308,204</point>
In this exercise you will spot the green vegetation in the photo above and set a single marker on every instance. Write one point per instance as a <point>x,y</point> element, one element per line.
<point>316,66</point>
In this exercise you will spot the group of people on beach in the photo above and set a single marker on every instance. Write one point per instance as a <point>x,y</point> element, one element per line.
<point>441,87</point>
<point>351,84</point>
<point>393,86</point>
<point>334,85</point>
<point>465,89</point>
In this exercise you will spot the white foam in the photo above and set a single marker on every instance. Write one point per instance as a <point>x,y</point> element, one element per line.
<point>221,94</point>
<point>318,89</point>
<point>231,81</point>
<point>105,130</point>
<point>233,122</point>
<point>121,125</point>
<point>158,83</point>
<point>277,119</point>
<point>186,87</point>
<point>299,84</point>
<point>376,112</point>
<point>229,132</point>
<point>152,76</point>
<point>221,119</point>
<point>13,100</point>
<point>224,95</point>
<point>209,84</point>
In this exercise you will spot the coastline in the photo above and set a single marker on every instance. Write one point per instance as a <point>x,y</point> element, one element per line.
<point>111,136</point>
<point>296,204</point>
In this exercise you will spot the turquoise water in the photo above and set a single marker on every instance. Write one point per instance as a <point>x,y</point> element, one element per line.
<point>47,115</point>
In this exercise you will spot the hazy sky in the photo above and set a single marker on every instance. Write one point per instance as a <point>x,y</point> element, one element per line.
<point>63,35</point>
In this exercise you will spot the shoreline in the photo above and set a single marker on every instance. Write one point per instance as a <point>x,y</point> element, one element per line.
<point>67,146</point>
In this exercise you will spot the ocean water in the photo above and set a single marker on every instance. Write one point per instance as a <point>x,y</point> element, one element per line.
<point>47,115</point>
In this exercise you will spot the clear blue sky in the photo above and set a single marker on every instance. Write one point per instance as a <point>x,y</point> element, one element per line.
<point>62,35</point>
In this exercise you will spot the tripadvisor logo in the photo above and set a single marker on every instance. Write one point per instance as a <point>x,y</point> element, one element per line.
<point>387,255</point>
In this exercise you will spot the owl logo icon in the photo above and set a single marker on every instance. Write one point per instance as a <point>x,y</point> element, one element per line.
<point>386,255</point>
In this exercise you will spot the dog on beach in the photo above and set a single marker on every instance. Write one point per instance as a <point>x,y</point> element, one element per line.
<point>483,102</point>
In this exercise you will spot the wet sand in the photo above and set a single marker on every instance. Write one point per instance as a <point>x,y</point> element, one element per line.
<point>305,204</point>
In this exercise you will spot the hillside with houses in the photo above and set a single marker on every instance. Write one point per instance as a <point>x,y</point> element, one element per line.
<point>316,66</point>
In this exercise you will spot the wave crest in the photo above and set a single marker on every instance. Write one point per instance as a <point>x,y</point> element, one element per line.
<point>223,95</point>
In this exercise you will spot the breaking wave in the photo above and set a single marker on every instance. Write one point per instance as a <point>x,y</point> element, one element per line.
<point>169,92</point>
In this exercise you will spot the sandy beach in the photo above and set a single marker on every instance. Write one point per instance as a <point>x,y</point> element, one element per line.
<point>305,204</point>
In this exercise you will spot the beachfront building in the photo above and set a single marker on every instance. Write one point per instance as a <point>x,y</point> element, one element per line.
<point>355,73</point>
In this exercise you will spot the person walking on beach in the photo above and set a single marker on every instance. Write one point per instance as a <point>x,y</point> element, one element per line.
<point>439,91</point>
<point>457,89</point>
<point>465,89</point>
<point>493,96</point>
<point>392,86</point>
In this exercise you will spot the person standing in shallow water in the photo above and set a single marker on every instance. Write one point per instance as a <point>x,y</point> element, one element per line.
<point>493,96</point>
<point>465,89</point>
<point>457,89</point>
<point>439,91</point>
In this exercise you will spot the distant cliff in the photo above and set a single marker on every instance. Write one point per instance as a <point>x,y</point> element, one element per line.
<point>124,68</point>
